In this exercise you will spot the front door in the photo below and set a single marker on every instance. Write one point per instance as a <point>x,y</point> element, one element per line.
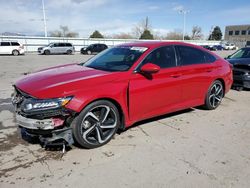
<point>157,93</point>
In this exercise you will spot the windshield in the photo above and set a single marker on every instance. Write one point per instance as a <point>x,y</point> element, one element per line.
<point>242,53</point>
<point>116,59</point>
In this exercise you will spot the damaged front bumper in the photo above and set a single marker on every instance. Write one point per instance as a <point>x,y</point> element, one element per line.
<point>50,126</point>
<point>49,131</point>
<point>241,77</point>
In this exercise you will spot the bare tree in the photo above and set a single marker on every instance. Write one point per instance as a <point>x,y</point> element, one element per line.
<point>122,36</point>
<point>141,27</point>
<point>174,35</point>
<point>196,33</point>
<point>63,32</point>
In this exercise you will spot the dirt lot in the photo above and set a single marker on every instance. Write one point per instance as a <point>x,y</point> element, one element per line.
<point>191,148</point>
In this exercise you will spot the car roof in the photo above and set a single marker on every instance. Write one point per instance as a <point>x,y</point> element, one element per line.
<point>155,44</point>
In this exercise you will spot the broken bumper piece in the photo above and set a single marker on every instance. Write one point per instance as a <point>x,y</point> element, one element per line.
<point>49,131</point>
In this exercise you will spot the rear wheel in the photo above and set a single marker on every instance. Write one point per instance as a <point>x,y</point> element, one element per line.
<point>69,52</point>
<point>214,95</point>
<point>96,124</point>
<point>15,52</point>
<point>46,52</point>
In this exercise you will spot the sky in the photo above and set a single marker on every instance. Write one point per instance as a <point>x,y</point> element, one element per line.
<point>120,16</point>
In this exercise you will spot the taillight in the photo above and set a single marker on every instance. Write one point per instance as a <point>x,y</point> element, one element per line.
<point>21,46</point>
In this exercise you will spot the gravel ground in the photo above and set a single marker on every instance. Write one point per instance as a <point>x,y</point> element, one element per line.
<point>191,148</point>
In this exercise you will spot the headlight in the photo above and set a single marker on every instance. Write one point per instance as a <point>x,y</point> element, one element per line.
<point>44,104</point>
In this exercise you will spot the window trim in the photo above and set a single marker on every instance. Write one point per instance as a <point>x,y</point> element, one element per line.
<point>136,69</point>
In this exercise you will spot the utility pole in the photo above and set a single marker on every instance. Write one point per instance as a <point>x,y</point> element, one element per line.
<point>184,12</point>
<point>44,20</point>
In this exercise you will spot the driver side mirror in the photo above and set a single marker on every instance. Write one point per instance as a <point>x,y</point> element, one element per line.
<point>150,68</point>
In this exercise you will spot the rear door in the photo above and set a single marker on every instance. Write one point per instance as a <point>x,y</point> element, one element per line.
<point>155,94</point>
<point>197,69</point>
<point>5,48</point>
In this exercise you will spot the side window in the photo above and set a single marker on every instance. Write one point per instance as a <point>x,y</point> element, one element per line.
<point>61,44</point>
<point>68,44</point>
<point>5,44</point>
<point>15,44</point>
<point>164,57</point>
<point>190,56</point>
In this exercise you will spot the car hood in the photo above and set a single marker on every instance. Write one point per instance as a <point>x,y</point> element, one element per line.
<point>62,81</point>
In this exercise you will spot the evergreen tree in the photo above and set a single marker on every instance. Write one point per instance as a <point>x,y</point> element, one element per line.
<point>96,34</point>
<point>147,35</point>
<point>216,34</point>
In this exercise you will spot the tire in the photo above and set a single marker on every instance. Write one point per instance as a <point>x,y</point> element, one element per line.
<point>15,52</point>
<point>69,52</point>
<point>96,124</point>
<point>89,52</point>
<point>214,95</point>
<point>47,52</point>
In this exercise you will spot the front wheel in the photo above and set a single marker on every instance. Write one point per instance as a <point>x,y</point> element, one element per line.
<point>96,124</point>
<point>47,52</point>
<point>214,95</point>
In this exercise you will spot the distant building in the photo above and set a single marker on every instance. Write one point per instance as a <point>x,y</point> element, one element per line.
<point>238,34</point>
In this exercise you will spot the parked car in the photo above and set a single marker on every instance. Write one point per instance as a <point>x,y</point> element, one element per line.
<point>57,48</point>
<point>217,48</point>
<point>205,46</point>
<point>88,102</point>
<point>241,68</point>
<point>229,46</point>
<point>93,48</point>
<point>14,48</point>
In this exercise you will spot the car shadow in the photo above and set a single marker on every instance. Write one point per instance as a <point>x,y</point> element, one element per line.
<point>173,114</point>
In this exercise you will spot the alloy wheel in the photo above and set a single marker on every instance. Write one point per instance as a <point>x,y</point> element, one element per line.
<point>216,94</point>
<point>99,124</point>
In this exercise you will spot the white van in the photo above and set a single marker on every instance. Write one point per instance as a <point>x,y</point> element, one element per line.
<point>13,48</point>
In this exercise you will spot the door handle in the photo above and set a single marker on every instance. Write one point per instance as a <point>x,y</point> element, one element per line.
<point>209,70</point>
<point>175,75</point>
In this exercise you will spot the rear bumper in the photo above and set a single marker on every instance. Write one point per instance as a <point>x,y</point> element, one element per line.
<point>21,51</point>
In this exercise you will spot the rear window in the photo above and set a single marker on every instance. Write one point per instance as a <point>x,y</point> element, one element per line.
<point>15,44</point>
<point>5,44</point>
<point>209,57</point>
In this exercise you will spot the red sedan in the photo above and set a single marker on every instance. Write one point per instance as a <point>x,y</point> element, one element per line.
<point>89,102</point>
